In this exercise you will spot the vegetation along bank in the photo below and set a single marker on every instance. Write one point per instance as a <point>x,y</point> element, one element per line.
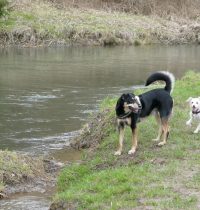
<point>25,173</point>
<point>165,177</point>
<point>54,23</point>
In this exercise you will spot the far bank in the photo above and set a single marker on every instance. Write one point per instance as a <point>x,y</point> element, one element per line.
<point>41,23</point>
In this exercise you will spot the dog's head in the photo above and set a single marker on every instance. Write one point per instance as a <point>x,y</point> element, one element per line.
<point>129,102</point>
<point>194,104</point>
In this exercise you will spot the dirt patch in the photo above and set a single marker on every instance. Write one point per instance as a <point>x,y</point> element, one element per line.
<point>182,178</point>
<point>63,205</point>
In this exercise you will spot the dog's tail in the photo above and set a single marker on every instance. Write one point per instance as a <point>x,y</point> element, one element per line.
<point>165,76</point>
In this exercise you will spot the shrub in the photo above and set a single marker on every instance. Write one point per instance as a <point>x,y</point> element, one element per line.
<point>3,4</point>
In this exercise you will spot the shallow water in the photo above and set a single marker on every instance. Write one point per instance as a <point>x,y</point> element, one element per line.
<point>46,94</point>
<point>31,201</point>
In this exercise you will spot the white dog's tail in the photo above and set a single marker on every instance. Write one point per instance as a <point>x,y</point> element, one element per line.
<point>164,76</point>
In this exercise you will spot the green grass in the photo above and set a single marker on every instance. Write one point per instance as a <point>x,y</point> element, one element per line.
<point>17,168</point>
<point>161,178</point>
<point>9,161</point>
<point>195,182</point>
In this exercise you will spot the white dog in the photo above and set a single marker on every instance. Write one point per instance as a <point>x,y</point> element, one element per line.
<point>195,112</point>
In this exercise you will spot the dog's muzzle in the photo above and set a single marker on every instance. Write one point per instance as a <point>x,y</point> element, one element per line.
<point>136,106</point>
<point>133,108</point>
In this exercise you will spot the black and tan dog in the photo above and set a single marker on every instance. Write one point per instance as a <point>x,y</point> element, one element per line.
<point>130,109</point>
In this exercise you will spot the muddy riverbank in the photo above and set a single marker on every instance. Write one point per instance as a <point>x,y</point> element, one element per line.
<point>25,174</point>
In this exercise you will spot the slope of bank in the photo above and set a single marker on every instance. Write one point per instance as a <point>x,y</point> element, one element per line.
<point>154,178</point>
<point>36,23</point>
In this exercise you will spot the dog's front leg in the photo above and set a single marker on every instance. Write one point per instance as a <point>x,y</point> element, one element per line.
<point>121,139</point>
<point>134,140</point>
<point>197,129</point>
<point>189,122</point>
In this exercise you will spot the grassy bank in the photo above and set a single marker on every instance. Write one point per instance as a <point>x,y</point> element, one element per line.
<point>35,23</point>
<point>154,178</point>
<point>24,173</point>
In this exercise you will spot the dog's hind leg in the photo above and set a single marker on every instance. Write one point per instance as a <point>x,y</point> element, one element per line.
<point>134,141</point>
<point>160,131</point>
<point>165,128</point>
<point>121,139</point>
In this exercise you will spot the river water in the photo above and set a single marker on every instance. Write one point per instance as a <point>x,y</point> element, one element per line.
<point>46,94</point>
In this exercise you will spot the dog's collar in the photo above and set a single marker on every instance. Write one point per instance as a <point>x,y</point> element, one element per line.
<point>196,112</point>
<point>125,115</point>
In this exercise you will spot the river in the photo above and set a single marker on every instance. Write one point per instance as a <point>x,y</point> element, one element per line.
<point>46,94</point>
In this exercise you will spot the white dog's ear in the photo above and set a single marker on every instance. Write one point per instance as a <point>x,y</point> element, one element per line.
<point>189,99</point>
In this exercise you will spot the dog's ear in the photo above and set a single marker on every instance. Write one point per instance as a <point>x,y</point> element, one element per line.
<point>119,102</point>
<point>189,99</point>
<point>122,97</point>
<point>132,95</point>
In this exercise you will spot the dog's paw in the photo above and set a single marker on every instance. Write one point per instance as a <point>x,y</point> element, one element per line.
<point>155,139</point>
<point>196,131</point>
<point>161,143</point>
<point>131,152</point>
<point>118,153</point>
